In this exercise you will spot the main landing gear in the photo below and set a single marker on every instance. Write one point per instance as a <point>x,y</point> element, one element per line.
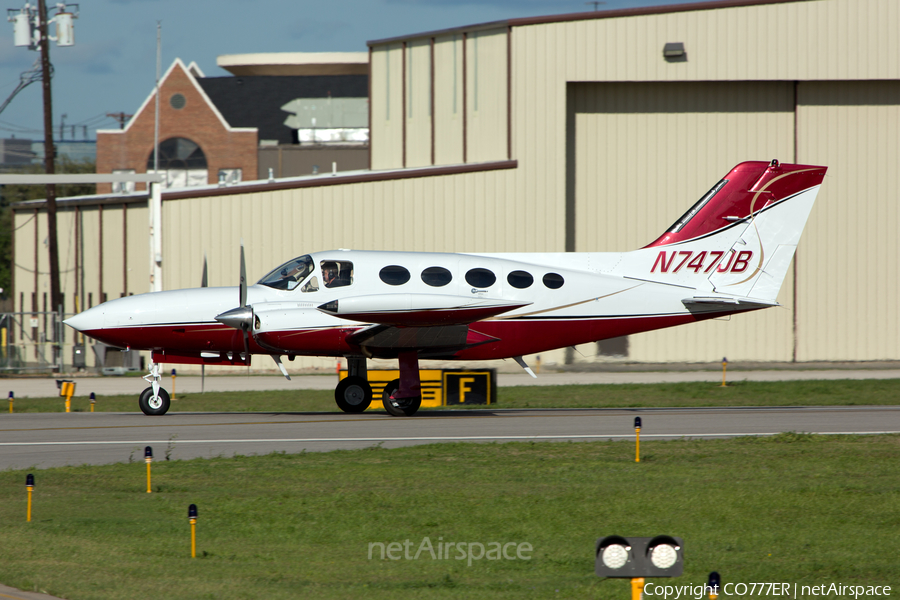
<point>401,397</point>
<point>154,400</point>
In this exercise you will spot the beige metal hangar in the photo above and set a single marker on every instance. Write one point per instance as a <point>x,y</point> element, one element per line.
<point>595,131</point>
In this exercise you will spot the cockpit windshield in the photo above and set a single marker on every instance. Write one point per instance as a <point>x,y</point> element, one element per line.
<point>290,274</point>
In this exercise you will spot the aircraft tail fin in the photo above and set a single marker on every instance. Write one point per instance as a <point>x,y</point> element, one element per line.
<point>739,239</point>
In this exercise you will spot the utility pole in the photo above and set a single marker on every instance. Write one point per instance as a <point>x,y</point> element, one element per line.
<point>49,156</point>
<point>30,29</point>
<point>121,117</point>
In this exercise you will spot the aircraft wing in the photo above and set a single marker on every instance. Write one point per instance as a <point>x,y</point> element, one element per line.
<point>387,340</point>
<point>435,324</point>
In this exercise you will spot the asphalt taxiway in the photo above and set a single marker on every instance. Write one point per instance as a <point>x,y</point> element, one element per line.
<point>37,440</point>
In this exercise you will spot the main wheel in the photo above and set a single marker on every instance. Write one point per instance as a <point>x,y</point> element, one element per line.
<point>403,407</point>
<point>353,394</point>
<point>154,405</point>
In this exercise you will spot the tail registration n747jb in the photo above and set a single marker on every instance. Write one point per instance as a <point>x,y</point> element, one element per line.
<point>728,254</point>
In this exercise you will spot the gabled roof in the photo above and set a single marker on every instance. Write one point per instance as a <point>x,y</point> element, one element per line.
<point>191,72</point>
<point>256,101</point>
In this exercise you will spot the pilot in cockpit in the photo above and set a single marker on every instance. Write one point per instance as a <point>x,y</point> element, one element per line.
<point>335,276</point>
<point>329,273</point>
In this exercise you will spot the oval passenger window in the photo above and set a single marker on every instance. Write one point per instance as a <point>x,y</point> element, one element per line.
<point>480,278</point>
<point>436,276</point>
<point>520,279</point>
<point>554,281</point>
<point>394,275</point>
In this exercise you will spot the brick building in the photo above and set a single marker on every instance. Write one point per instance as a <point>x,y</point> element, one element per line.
<point>197,144</point>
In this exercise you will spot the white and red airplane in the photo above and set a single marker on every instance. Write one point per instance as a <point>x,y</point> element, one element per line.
<point>728,254</point>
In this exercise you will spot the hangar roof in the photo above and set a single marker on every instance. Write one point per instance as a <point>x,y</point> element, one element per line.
<point>256,101</point>
<point>295,63</point>
<point>585,16</point>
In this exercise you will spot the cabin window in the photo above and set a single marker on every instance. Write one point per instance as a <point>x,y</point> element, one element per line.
<point>480,278</point>
<point>290,274</point>
<point>394,275</point>
<point>336,273</point>
<point>311,286</point>
<point>520,279</point>
<point>554,281</point>
<point>436,276</point>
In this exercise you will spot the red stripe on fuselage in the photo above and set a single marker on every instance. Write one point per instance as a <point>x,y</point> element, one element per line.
<point>515,337</point>
<point>205,337</point>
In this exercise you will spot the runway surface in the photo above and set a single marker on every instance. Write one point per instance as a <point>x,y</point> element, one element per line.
<point>36,440</point>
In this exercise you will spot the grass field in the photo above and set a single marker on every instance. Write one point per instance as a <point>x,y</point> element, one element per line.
<point>791,508</point>
<point>780,393</point>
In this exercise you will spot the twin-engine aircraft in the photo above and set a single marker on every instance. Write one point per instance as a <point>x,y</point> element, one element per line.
<point>728,254</point>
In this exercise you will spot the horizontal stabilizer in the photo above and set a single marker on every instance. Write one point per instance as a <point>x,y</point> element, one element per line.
<point>705,304</point>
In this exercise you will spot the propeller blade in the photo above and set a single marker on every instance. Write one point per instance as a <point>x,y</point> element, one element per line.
<point>246,345</point>
<point>204,278</point>
<point>243,277</point>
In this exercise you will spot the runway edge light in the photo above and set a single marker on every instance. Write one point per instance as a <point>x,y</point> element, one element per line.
<point>637,439</point>
<point>192,518</point>
<point>713,584</point>
<point>621,557</point>
<point>724,368</point>
<point>29,485</point>
<point>148,458</point>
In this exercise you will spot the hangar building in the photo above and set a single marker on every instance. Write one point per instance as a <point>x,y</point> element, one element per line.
<point>583,132</point>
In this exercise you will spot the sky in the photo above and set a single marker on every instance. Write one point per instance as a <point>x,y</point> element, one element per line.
<point>112,67</point>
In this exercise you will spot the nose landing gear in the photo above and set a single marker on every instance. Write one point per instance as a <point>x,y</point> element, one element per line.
<point>154,400</point>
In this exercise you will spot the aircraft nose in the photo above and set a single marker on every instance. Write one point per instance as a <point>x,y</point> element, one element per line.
<point>88,320</point>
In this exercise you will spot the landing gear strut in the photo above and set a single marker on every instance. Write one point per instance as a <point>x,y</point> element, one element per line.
<point>354,394</point>
<point>154,400</point>
<point>403,397</point>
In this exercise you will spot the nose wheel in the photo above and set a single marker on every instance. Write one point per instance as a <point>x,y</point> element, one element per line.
<point>154,403</point>
<point>154,400</point>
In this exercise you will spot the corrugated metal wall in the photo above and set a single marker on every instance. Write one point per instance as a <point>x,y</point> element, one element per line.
<point>849,272</point>
<point>387,106</point>
<point>648,137</point>
<point>418,103</point>
<point>487,92</point>
<point>447,213</point>
<point>644,153</point>
<point>448,89</point>
<point>470,83</point>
